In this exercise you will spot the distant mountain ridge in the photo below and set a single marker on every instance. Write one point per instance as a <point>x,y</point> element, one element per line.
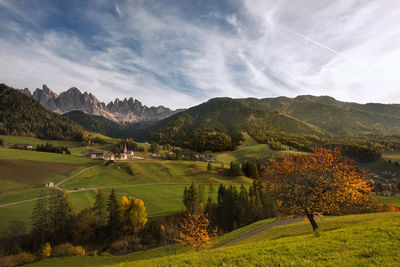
<point>125,111</point>
<point>22,115</point>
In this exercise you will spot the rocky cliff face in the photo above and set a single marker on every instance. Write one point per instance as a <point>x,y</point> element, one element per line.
<point>126,111</point>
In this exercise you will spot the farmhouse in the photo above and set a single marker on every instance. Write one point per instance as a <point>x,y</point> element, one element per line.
<point>96,154</point>
<point>108,156</point>
<point>130,154</point>
<point>50,184</point>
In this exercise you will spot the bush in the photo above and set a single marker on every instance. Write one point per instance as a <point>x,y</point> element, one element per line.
<point>68,250</point>
<point>18,259</point>
<point>106,253</point>
<point>46,250</point>
<point>93,253</point>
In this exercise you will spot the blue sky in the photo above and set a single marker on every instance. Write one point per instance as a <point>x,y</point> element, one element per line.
<point>181,53</point>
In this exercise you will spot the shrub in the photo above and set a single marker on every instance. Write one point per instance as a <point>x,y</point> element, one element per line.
<point>93,253</point>
<point>18,259</point>
<point>106,253</point>
<point>68,250</point>
<point>46,250</point>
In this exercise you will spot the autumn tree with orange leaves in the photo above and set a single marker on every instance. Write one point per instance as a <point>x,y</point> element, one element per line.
<point>194,231</point>
<point>318,183</point>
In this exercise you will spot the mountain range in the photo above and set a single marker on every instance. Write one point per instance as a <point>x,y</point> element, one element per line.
<point>217,124</point>
<point>124,111</point>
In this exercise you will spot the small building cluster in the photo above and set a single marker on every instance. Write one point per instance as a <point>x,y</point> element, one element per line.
<point>109,156</point>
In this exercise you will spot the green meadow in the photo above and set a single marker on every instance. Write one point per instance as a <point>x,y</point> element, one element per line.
<point>151,172</point>
<point>250,149</point>
<point>394,200</point>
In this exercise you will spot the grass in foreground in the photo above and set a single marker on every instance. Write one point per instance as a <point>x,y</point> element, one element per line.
<point>354,240</point>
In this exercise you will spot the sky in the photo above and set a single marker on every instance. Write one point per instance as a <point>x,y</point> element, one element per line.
<point>179,53</point>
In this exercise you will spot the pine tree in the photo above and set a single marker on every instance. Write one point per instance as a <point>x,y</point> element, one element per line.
<point>114,222</point>
<point>201,195</point>
<point>60,218</point>
<point>190,198</point>
<point>40,219</point>
<point>100,210</point>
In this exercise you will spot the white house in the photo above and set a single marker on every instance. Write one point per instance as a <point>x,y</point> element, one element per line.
<point>108,156</point>
<point>96,154</point>
<point>130,154</point>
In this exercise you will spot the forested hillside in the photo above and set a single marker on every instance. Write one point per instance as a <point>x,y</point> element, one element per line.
<point>216,125</point>
<point>21,115</point>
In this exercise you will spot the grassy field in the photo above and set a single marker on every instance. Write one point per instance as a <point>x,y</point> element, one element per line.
<point>354,240</point>
<point>150,172</point>
<point>24,169</point>
<point>250,149</point>
<point>395,200</point>
<point>12,140</point>
<point>17,154</point>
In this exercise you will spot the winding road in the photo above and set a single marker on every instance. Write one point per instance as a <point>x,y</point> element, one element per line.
<point>261,229</point>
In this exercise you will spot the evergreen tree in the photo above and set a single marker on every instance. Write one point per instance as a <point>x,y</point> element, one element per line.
<point>100,210</point>
<point>235,169</point>
<point>191,199</point>
<point>61,216</point>
<point>114,222</point>
<point>201,195</point>
<point>211,190</point>
<point>40,220</point>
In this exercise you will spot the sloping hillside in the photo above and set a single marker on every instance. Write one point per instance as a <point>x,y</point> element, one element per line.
<point>216,125</point>
<point>21,115</point>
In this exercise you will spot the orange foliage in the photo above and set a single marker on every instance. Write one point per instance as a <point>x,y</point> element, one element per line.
<point>318,183</point>
<point>194,231</point>
<point>388,208</point>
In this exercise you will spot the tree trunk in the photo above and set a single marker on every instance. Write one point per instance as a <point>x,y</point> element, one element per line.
<point>310,217</point>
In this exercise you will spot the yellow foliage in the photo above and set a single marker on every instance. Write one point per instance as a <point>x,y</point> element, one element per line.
<point>46,250</point>
<point>133,214</point>
<point>68,250</point>
<point>19,259</point>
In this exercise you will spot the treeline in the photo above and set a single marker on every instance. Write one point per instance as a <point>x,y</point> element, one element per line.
<point>130,145</point>
<point>52,149</point>
<point>234,208</point>
<point>250,168</point>
<point>21,115</point>
<point>109,226</point>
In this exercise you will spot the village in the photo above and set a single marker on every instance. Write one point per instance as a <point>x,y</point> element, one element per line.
<point>109,156</point>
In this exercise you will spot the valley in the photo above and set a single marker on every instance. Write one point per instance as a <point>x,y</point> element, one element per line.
<point>222,152</point>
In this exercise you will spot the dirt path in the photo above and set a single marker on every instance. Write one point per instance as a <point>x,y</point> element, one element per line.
<point>57,186</point>
<point>261,229</point>
<point>22,201</point>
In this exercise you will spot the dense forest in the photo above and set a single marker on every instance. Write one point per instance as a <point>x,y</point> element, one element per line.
<point>21,115</point>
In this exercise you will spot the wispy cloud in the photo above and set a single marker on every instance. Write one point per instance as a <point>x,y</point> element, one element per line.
<point>179,53</point>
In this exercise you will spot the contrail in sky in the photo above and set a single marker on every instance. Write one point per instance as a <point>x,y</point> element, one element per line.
<point>313,41</point>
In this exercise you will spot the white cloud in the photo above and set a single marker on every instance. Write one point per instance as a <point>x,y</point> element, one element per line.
<point>347,49</point>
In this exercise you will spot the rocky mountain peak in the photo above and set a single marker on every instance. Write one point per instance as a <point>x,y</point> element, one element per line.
<point>127,110</point>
